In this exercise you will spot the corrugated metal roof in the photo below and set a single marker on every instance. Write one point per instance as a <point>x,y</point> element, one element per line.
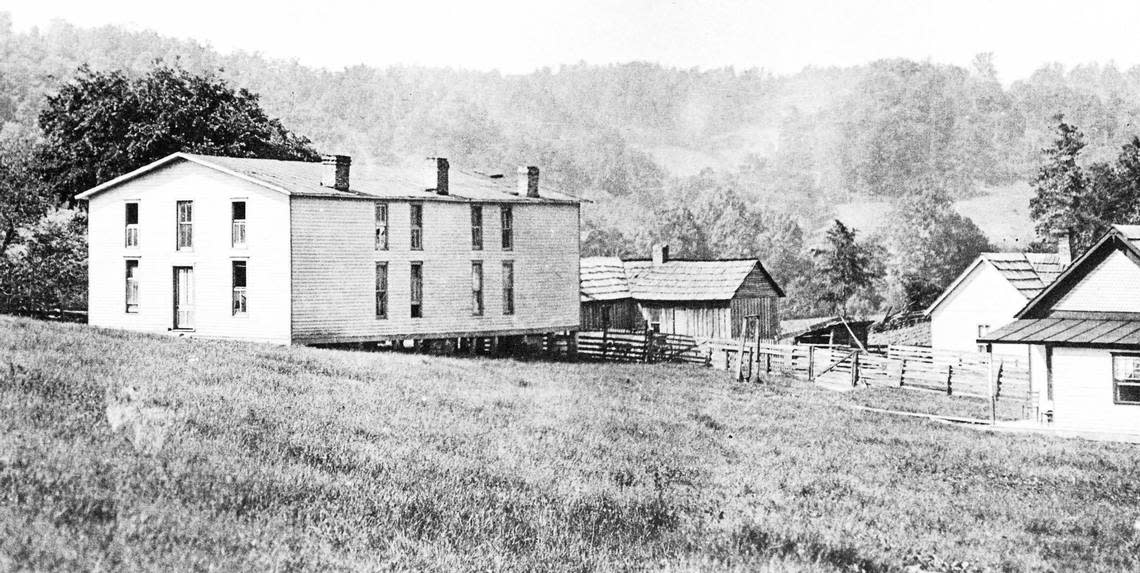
<point>602,278</point>
<point>1076,331</point>
<point>1029,273</point>
<point>400,182</point>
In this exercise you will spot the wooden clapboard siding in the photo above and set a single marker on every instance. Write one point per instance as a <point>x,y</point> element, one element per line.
<point>334,262</point>
<point>267,253</point>
<point>1083,394</point>
<point>1100,289</point>
<point>982,297</point>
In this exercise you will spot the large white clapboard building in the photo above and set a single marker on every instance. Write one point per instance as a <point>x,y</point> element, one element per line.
<point>298,252</point>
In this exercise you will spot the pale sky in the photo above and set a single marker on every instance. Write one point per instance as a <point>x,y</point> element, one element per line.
<point>517,36</point>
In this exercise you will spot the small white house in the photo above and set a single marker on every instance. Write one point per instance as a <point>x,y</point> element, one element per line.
<point>1083,336</point>
<point>986,296</point>
<point>297,252</point>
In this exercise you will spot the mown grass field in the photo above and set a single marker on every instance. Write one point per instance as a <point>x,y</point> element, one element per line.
<point>295,458</point>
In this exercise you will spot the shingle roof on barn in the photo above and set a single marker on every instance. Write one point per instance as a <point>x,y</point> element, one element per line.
<point>675,280</point>
<point>688,280</point>
<point>602,278</point>
<point>302,178</point>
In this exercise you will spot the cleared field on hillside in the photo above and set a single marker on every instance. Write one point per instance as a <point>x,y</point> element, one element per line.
<point>295,458</point>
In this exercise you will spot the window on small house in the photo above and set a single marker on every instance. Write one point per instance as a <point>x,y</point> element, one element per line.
<point>237,225</point>
<point>1126,378</point>
<point>508,227</point>
<point>132,276</point>
<point>417,290</point>
<point>132,225</point>
<point>185,224</point>
<point>476,227</point>
<point>381,290</point>
<point>381,226</point>
<point>508,287</point>
<point>983,329</point>
<point>477,288</point>
<point>239,278</point>
<point>417,227</point>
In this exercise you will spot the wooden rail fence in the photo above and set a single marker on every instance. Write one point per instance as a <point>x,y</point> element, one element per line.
<point>970,375</point>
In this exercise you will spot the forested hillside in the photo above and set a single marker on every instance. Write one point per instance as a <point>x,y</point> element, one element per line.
<point>717,162</point>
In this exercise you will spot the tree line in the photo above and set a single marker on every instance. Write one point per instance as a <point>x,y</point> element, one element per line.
<point>920,135</point>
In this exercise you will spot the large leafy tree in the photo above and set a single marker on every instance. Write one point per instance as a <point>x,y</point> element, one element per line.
<point>843,269</point>
<point>23,197</point>
<point>103,124</point>
<point>931,243</point>
<point>1085,201</point>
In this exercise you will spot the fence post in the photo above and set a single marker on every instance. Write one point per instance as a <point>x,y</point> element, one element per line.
<point>993,390</point>
<point>902,373</point>
<point>757,351</point>
<point>855,369</point>
<point>949,379</point>
<point>767,363</point>
<point>605,342</point>
<point>811,363</point>
<point>647,352</point>
<point>740,352</point>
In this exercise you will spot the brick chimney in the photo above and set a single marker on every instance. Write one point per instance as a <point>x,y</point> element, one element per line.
<point>528,180</point>
<point>1064,239</point>
<point>435,175</point>
<point>660,254</point>
<point>334,171</point>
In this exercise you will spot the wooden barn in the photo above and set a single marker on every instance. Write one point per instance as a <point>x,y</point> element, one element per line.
<point>604,296</point>
<point>707,299</point>
<point>297,252</point>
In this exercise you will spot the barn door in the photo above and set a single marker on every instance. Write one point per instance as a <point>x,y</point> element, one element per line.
<point>183,297</point>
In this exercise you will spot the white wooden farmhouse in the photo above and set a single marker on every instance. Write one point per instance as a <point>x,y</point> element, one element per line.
<point>987,295</point>
<point>1083,335</point>
<point>296,252</point>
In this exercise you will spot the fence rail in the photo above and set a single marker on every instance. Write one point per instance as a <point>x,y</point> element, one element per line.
<point>969,375</point>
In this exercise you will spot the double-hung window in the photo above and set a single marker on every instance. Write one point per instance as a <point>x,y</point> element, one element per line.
<point>1126,378</point>
<point>237,223</point>
<point>477,288</point>
<point>381,290</point>
<point>476,227</point>
<point>132,276</point>
<point>508,287</point>
<point>417,215</point>
<point>508,227</point>
<point>417,298</point>
<point>132,225</point>
<point>381,226</point>
<point>185,220</point>
<point>239,282</point>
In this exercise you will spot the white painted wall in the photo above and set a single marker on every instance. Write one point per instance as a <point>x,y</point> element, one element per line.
<point>1101,289</point>
<point>1083,395</point>
<point>983,297</point>
<point>334,261</point>
<point>267,254</point>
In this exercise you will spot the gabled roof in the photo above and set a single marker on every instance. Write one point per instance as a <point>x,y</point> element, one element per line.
<point>1124,238</point>
<point>675,280</point>
<point>1038,323</point>
<point>1029,273</point>
<point>302,178</point>
<point>602,278</point>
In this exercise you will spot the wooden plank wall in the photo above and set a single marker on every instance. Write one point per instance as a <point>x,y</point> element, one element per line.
<point>765,307</point>
<point>623,315</point>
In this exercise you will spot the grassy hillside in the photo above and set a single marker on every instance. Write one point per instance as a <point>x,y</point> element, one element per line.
<point>1002,213</point>
<point>258,457</point>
